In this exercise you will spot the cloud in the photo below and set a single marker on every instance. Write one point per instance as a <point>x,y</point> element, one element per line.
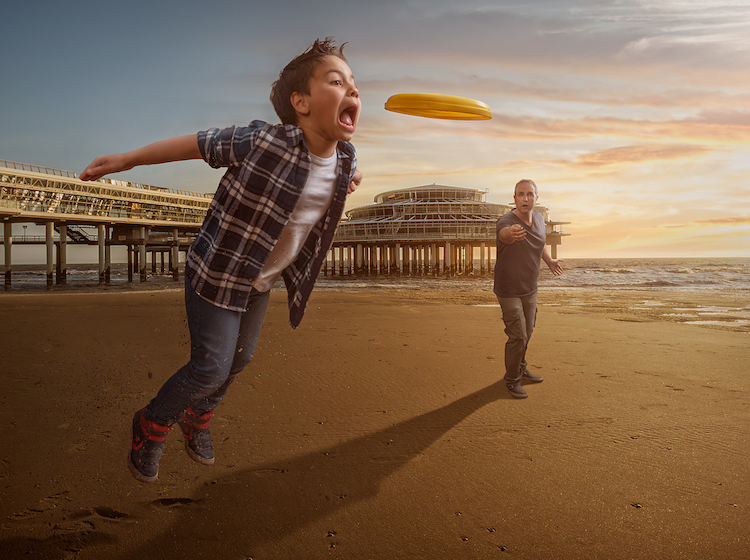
<point>737,220</point>
<point>639,154</point>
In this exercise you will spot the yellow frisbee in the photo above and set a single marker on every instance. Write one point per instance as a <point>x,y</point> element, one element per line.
<point>439,106</point>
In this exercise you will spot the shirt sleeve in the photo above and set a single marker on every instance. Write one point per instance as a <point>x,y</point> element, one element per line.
<point>354,162</point>
<point>228,147</point>
<point>503,222</point>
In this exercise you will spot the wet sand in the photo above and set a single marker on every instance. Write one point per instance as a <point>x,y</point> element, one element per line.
<point>379,430</point>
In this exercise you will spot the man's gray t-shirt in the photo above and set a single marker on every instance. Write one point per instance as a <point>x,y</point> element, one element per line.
<point>518,264</point>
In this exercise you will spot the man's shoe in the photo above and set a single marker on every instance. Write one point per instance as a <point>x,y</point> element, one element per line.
<point>516,390</point>
<point>146,447</point>
<point>528,376</point>
<point>197,434</point>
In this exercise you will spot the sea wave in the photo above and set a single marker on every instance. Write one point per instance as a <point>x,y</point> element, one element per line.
<point>595,274</point>
<point>610,271</point>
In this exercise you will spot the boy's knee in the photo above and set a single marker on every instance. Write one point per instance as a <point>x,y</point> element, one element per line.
<point>209,375</point>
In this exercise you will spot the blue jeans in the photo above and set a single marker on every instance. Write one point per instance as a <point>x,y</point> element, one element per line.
<point>222,343</point>
<point>519,316</point>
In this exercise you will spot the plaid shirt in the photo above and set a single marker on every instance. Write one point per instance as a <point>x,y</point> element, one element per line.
<point>267,169</point>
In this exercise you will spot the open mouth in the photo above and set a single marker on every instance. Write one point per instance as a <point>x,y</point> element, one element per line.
<point>348,118</point>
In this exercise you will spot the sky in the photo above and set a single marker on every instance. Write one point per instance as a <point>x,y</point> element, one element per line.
<point>632,116</point>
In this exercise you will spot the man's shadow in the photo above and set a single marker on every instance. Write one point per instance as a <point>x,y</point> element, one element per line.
<point>236,514</point>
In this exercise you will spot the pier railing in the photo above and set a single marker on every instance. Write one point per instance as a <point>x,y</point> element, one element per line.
<point>30,191</point>
<point>104,180</point>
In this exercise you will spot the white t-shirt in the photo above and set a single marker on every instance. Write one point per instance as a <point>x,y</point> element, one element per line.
<point>313,203</point>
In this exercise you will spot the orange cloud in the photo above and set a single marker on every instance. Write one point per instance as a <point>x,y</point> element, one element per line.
<point>539,128</point>
<point>723,128</point>
<point>639,154</point>
<point>731,221</point>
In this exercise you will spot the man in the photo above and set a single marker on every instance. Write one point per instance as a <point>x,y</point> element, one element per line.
<point>521,246</point>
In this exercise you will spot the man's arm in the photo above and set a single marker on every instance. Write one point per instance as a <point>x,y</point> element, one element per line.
<point>179,148</point>
<point>553,264</point>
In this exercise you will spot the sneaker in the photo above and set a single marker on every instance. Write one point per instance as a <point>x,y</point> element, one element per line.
<point>528,376</point>
<point>197,434</point>
<point>516,390</point>
<point>146,447</point>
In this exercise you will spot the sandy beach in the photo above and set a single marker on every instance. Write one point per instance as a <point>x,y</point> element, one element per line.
<point>379,430</point>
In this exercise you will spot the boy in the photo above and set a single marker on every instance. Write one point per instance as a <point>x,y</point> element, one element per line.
<point>274,214</point>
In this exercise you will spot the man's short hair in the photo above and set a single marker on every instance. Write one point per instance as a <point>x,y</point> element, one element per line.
<point>530,182</point>
<point>295,77</point>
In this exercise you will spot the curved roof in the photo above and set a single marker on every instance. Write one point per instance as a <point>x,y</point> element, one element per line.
<point>427,213</point>
<point>431,192</point>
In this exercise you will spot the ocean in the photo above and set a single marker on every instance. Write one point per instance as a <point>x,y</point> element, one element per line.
<point>722,282</point>
<point>683,274</point>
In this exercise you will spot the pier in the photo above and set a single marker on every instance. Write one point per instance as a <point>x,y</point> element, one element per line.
<point>147,220</point>
<point>427,230</point>
<point>417,231</point>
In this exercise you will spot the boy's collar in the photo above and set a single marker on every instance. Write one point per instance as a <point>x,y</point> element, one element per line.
<point>294,136</point>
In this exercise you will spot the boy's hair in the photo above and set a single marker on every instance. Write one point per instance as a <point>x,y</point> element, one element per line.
<point>295,77</point>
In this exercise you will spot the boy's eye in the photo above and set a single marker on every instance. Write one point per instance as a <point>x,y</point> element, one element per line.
<point>336,82</point>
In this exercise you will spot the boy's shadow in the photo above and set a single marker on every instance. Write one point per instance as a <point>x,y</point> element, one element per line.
<point>238,513</point>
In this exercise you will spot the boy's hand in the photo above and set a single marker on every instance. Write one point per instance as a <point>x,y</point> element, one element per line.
<point>356,180</point>
<point>104,165</point>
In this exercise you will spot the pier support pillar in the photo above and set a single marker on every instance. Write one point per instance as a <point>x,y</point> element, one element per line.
<point>7,244</point>
<point>130,262</point>
<point>101,232</point>
<point>175,265</point>
<point>447,258</point>
<point>49,239</point>
<point>107,258</point>
<point>62,256</point>
<point>142,253</point>
<point>358,259</point>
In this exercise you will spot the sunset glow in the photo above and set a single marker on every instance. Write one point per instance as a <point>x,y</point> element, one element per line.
<point>633,117</point>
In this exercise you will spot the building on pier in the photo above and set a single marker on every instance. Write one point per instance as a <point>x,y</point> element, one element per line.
<point>431,229</point>
<point>146,219</point>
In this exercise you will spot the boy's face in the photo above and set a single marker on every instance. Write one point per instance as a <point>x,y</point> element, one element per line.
<point>331,109</point>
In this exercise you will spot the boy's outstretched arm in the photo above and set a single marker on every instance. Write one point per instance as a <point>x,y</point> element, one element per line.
<point>179,148</point>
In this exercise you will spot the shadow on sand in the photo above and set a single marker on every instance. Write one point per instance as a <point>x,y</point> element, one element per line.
<point>234,515</point>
